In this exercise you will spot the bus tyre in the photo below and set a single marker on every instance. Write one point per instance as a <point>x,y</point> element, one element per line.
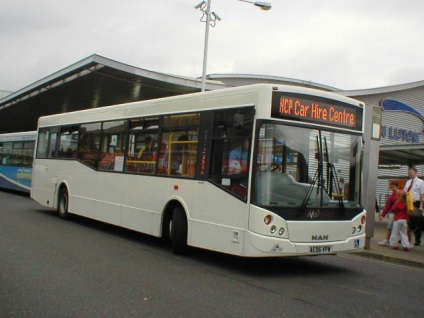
<point>179,231</point>
<point>62,206</point>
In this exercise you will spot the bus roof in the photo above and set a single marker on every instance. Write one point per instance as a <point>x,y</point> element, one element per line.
<point>246,96</point>
<point>18,136</point>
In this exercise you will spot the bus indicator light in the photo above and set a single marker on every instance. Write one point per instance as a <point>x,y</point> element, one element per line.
<point>175,187</point>
<point>363,219</point>
<point>268,219</point>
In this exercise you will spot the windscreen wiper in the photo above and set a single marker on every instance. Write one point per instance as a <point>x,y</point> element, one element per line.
<point>308,194</point>
<point>333,179</point>
<point>318,177</point>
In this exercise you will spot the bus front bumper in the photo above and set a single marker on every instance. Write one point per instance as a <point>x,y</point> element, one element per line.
<point>257,245</point>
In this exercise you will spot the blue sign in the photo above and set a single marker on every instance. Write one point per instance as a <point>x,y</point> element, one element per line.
<point>394,105</point>
<point>397,133</point>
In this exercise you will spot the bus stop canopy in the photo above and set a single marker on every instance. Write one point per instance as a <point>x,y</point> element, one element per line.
<point>92,82</point>
<point>410,155</point>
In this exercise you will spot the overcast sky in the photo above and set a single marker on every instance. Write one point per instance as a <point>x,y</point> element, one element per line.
<point>345,44</point>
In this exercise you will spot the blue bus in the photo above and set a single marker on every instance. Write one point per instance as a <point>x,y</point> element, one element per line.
<point>16,154</point>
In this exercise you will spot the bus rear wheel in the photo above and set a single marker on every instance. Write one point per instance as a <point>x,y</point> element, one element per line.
<point>62,206</point>
<point>178,228</point>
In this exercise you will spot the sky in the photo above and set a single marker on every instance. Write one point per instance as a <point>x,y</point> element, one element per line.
<point>344,44</point>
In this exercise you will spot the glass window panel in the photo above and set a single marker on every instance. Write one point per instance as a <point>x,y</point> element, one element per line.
<point>302,167</point>
<point>113,146</point>
<point>178,147</point>
<point>178,153</point>
<point>16,158</point>
<point>27,153</point>
<point>231,150</point>
<point>182,120</point>
<point>143,146</point>
<point>43,143</point>
<point>89,143</point>
<point>68,143</point>
<point>7,153</point>
<point>52,143</point>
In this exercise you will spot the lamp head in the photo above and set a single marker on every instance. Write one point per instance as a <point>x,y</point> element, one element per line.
<point>263,5</point>
<point>216,16</point>
<point>199,5</point>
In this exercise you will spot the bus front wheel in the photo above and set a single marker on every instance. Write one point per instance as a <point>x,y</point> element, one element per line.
<point>62,206</point>
<point>178,229</point>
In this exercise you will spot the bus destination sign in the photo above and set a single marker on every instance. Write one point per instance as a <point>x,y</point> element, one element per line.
<point>317,110</point>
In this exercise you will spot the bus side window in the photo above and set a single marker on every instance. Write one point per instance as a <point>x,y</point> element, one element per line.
<point>7,152</point>
<point>88,147</point>
<point>179,145</point>
<point>113,146</point>
<point>145,154</point>
<point>17,154</point>
<point>52,143</point>
<point>231,147</point>
<point>28,153</point>
<point>68,142</point>
<point>178,153</point>
<point>46,144</point>
<point>143,146</point>
<point>43,143</point>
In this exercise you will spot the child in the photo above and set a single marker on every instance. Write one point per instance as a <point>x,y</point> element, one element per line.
<point>400,224</point>
<point>391,200</point>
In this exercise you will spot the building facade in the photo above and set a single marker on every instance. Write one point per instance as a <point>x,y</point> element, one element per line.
<point>402,139</point>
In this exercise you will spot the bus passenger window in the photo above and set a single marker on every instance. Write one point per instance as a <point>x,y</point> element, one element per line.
<point>88,148</point>
<point>142,152</point>
<point>238,160</point>
<point>7,153</point>
<point>1,153</point>
<point>231,147</point>
<point>52,144</point>
<point>113,146</point>
<point>178,154</point>
<point>68,142</point>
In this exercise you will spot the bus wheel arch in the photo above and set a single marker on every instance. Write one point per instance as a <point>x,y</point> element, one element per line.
<point>175,226</point>
<point>63,202</point>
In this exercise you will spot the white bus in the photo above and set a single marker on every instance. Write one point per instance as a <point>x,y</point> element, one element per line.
<point>16,154</point>
<point>254,171</point>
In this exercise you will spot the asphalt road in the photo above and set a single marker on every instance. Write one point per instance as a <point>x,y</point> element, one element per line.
<point>81,268</point>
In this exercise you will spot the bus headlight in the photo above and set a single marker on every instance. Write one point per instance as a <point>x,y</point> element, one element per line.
<point>359,228</point>
<point>353,230</point>
<point>273,229</point>
<point>281,231</point>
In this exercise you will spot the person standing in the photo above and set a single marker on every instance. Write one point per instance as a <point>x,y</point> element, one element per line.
<point>400,224</point>
<point>391,200</point>
<point>416,186</point>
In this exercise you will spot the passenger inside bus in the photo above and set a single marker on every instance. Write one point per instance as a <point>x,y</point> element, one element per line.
<point>238,160</point>
<point>147,156</point>
<point>147,152</point>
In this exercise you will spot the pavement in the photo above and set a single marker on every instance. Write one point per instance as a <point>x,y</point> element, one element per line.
<point>415,257</point>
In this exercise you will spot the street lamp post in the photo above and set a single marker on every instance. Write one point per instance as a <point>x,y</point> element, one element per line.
<point>262,5</point>
<point>210,19</point>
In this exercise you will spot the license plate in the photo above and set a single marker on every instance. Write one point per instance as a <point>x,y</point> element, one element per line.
<point>320,249</point>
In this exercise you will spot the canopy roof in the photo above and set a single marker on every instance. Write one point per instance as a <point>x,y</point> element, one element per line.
<point>92,82</point>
